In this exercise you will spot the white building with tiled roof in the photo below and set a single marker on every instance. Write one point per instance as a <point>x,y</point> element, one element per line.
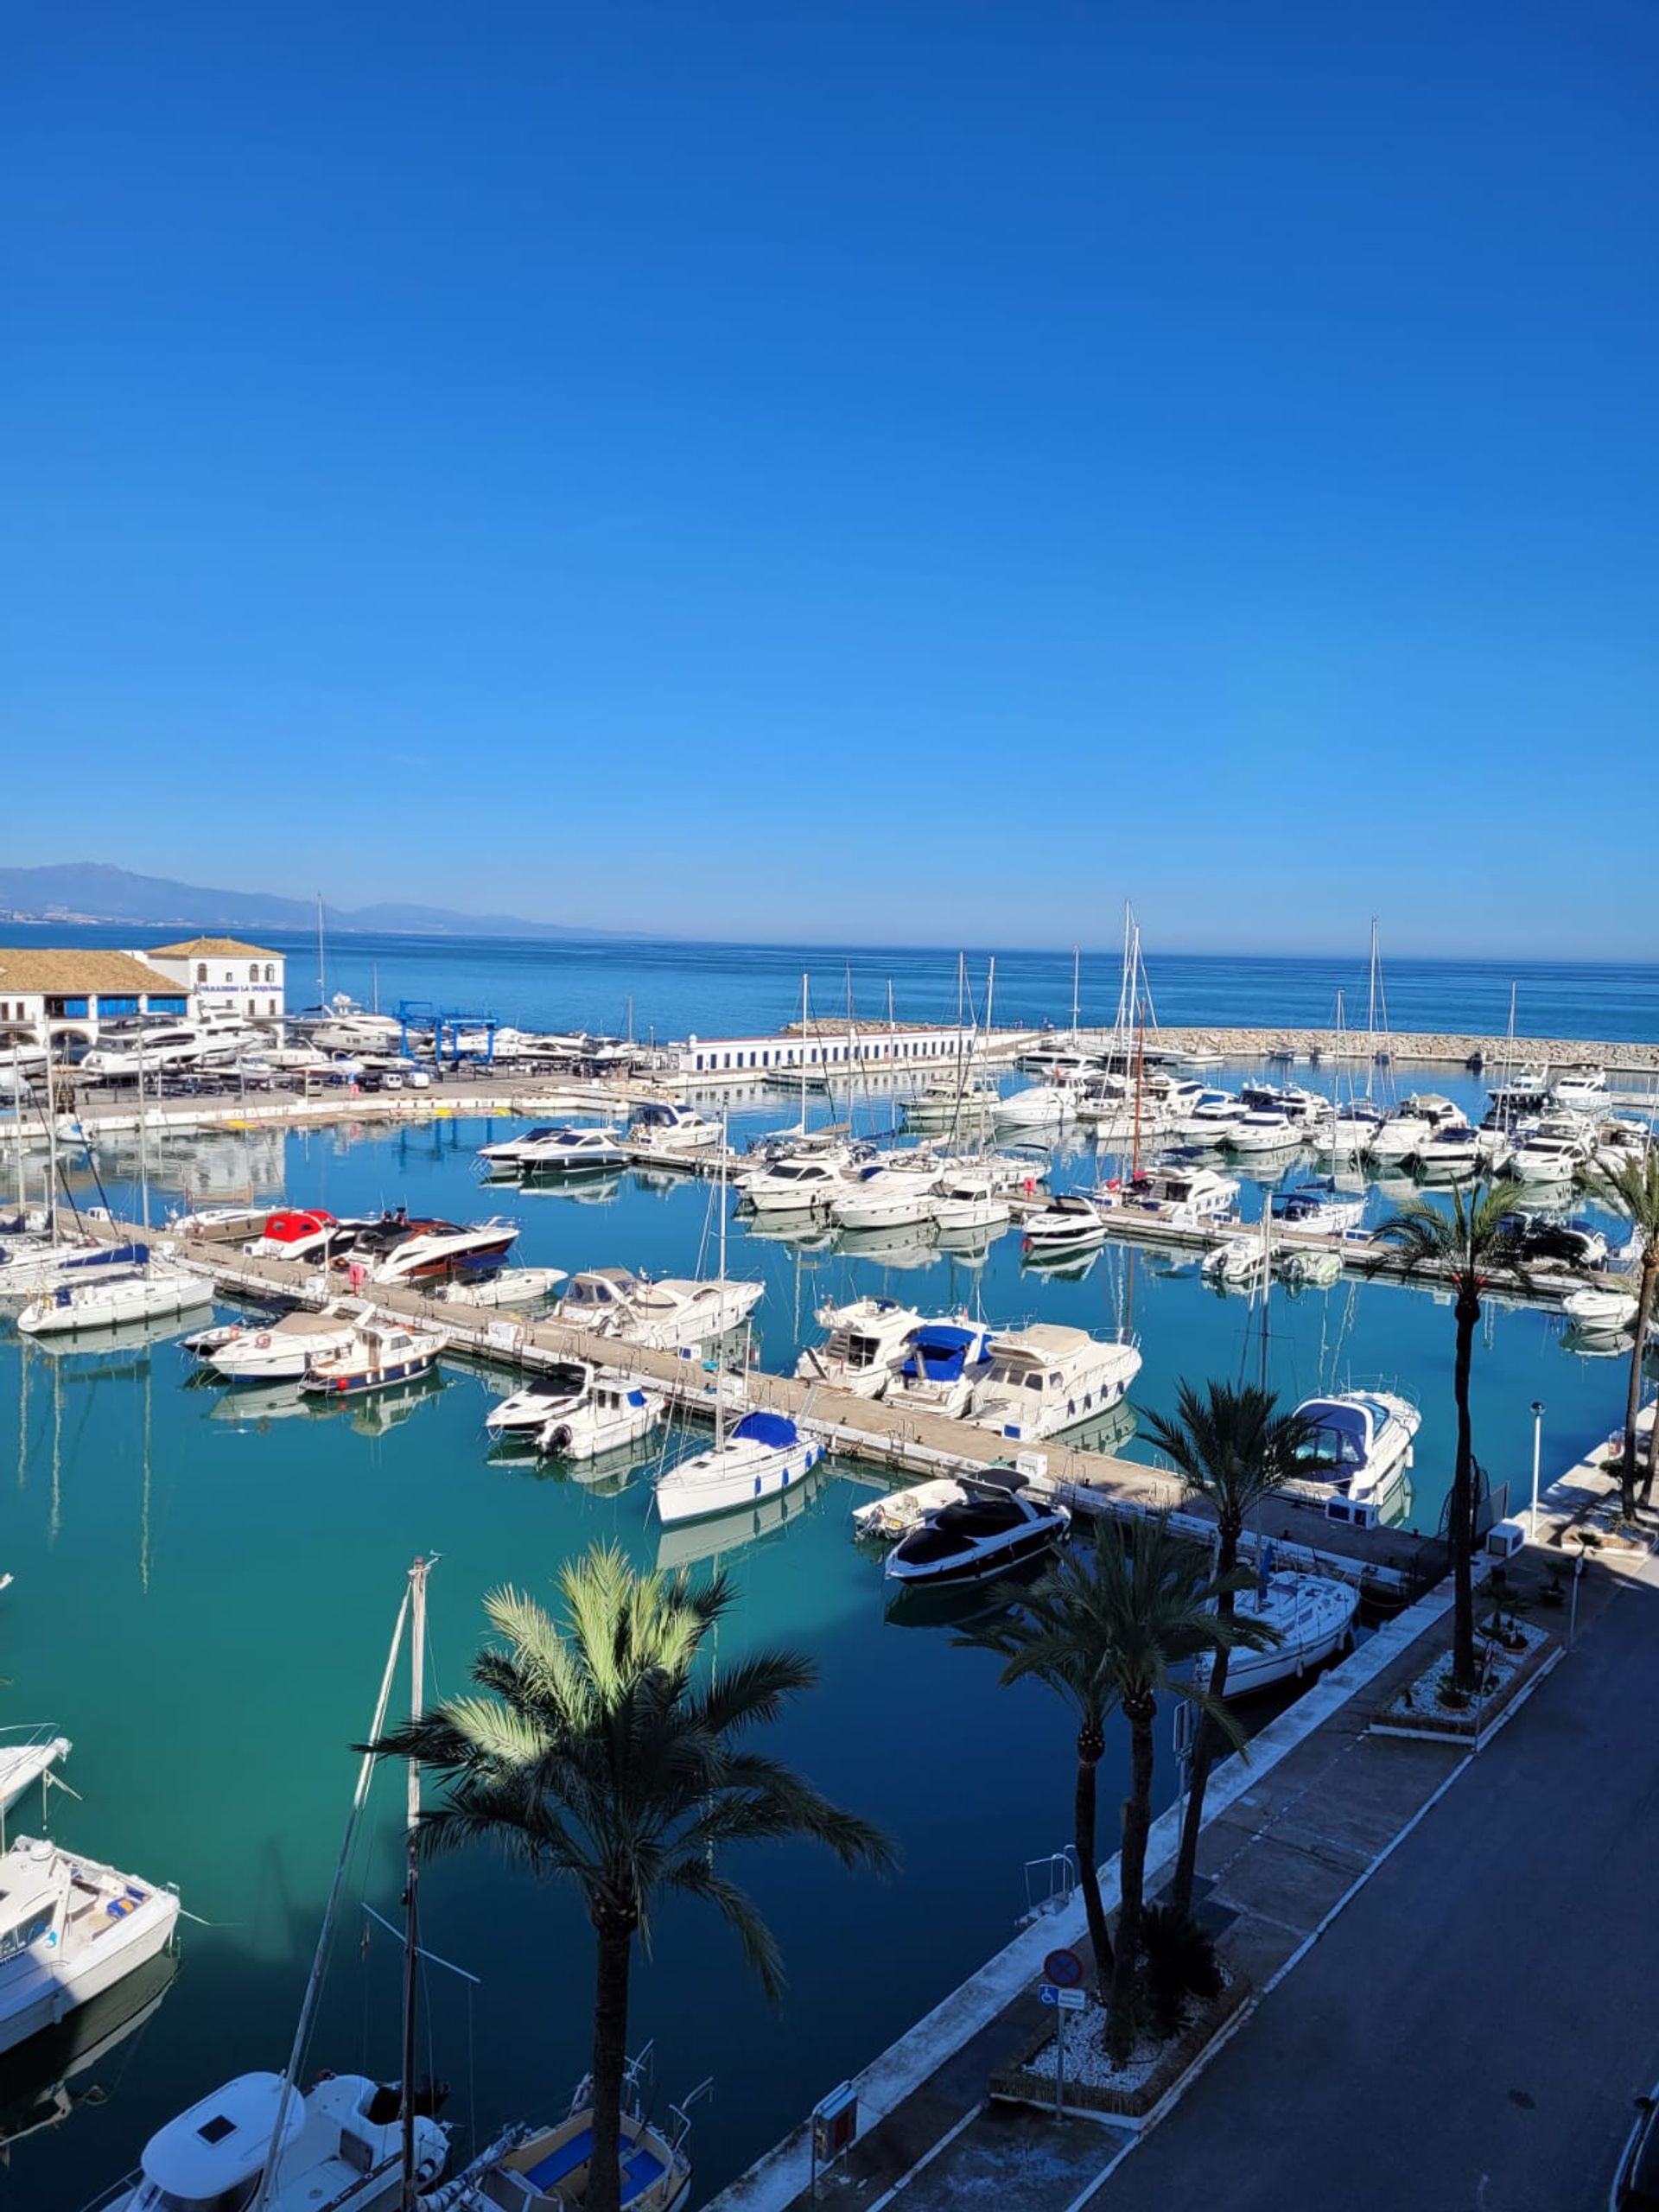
<point>48,992</point>
<point>224,977</point>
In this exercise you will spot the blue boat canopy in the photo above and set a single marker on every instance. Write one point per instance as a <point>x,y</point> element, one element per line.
<point>776,1429</point>
<point>940,1352</point>
<point>1345,1430</point>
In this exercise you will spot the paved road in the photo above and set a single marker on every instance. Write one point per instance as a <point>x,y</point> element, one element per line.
<point>1468,2036</point>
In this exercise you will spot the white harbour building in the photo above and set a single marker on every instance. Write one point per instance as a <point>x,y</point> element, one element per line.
<point>224,977</point>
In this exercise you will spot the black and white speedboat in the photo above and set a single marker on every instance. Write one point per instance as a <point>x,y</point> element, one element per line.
<point>971,1543</point>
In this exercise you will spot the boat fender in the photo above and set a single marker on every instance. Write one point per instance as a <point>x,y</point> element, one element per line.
<point>236,1330</point>
<point>340,1383</point>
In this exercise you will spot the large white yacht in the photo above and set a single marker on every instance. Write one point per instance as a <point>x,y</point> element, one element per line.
<point>1047,1378</point>
<point>881,1197</point>
<point>558,1148</point>
<point>69,1929</point>
<point>1411,1125</point>
<point>663,1314</point>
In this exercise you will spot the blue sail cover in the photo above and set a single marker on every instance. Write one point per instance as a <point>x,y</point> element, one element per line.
<point>110,1255</point>
<point>940,1353</point>
<point>776,1429</point>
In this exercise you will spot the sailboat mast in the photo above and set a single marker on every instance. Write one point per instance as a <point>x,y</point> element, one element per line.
<point>1076,958</point>
<point>1370,1017</point>
<point>804,1022</point>
<point>143,1152</point>
<point>720,1396</point>
<point>418,1574</point>
<point>322,979</point>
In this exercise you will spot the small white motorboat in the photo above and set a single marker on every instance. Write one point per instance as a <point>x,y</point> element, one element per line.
<point>884,1520</point>
<point>665,1125</point>
<point>666,1314</point>
<point>764,1454</point>
<point>1313,1615</point>
<point>69,1929</point>
<point>1237,1264</point>
<point>609,1411</point>
<point>1361,1443</point>
<point>280,1351</point>
<point>1609,1311</point>
<point>944,1365</point>
<point>886,1198</point>
<point>972,1542</point>
<point>511,1287</point>
<point>1320,1208</point>
<point>971,1198</point>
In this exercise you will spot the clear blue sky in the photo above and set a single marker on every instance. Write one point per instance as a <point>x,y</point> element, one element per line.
<point>862,470</point>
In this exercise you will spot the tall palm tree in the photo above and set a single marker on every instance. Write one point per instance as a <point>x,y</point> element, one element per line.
<point>601,1757</point>
<point>1479,1238</point>
<point>1632,1189</point>
<point>1110,1625</point>
<point>1236,1449</point>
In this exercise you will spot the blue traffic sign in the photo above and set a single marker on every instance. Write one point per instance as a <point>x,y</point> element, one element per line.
<point>1067,2000</point>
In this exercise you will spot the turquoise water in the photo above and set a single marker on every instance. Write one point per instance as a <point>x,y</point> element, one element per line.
<point>205,1586</point>
<point>673,987</point>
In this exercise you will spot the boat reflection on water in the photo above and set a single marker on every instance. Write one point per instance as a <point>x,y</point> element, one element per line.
<point>806,1231</point>
<point>1058,1266</point>
<point>607,1474</point>
<point>957,1605</point>
<point>911,1244</point>
<point>575,1191</point>
<point>691,1544</point>
<point>969,1248</point>
<point>114,1349</point>
<point>258,1405</point>
<point>42,2082</point>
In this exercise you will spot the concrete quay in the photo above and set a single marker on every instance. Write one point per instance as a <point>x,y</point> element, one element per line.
<point>1429,1047</point>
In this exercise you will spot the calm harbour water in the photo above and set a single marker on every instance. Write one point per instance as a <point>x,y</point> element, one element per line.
<point>206,1584</point>
<point>722,989</point>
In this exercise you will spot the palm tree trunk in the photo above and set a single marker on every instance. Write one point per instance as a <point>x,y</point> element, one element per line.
<point>1092,1745</point>
<point>614,1931</point>
<point>1208,1741</point>
<point>1137,1825</point>
<point>1461,1517</point>
<point>1633,1397</point>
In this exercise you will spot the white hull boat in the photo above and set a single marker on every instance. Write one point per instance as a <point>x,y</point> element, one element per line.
<point>26,1755</point>
<point>1314,1616</point>
<point>665,1127</point>
<point>1263,1131</point>
<point>944,1364</point>
<point>764,1454</point>
<point>1066,1225</point>
<point>281,1351</point>
<point>884,1520</point>
<point>973,1200</point>
<point>340,2151</point>
<point>866,1340</point>
<point>111,1302</point>
<point>1317,1209</point>
<point>1362,1445</point>
<point>556,1150</point>
<point>375,1354</point>
<point>612,1412</point>
<point>69,1930</point>
<point>511,1287</point>
<point>666,1315</point>
<point>795,1185</point>
<point>1608,1311</point>
<point>1047,1378</point>
<point>886,1197</point>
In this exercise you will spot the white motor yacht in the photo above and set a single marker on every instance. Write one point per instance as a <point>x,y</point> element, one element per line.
<point>397,1249</point>
<point>1068,1224</point>
<point>865,1340</point>
<point>1041,1105</point>
<point>507,1287</point>
<point>1361,1445</point>
<point>971,1197</point>
<point>1186,1197</point>
<point>796,1184</point>
<point>1317,1208</point>
<point>1313,1616</point>
<point>879,1197</point>
<point>1347,1133</point>
<point>1216,1113</point>
<point>609,1411</point>
<point>302,1233</point>
<point>1047,1378</point>
<point>1454,1151</point>
<point>765,1453</point>
<point>69,1929</point>
<point>666,1315</point>
<point>1580,1089</point>
<point>948,1104</point>
<point>1553,1152</point>
<point>1411,1125</point>
<point>558,1148</point>
<point>1261,1129</point>
<point>659,1125</point>
<point>340,2150</point>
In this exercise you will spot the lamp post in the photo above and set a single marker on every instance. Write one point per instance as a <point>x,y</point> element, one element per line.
<point>1537,1455</point>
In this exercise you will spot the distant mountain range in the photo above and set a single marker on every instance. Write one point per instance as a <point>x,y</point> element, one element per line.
<point>86,890</point>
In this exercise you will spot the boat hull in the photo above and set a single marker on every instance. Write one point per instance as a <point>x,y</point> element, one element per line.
<point>757,1475</point>
<point>360,1380</point>
<point>36,1994</point>
<point>981,1566</point>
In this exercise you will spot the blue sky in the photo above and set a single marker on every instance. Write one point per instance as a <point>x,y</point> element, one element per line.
<point>884,471</point>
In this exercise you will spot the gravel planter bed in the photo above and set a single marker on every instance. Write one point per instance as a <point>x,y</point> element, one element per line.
<point>1417,1709</point>
<point>1092,2084</point>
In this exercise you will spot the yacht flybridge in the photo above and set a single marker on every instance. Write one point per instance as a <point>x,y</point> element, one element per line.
<point>864,1341</point>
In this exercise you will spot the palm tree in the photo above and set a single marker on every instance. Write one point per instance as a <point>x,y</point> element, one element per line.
<point>599,1757</point>
<point>1235,1448</point>
<point>1480,1237</point>
<point>1632,1189</point>
<point>1109,1626</point>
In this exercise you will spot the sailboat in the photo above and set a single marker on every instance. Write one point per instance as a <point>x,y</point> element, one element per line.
<point>107,1297</point>
<point>348,2144</point>
<point>765,1453</point>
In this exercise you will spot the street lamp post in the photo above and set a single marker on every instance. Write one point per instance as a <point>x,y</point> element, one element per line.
<point>1537,1455</point>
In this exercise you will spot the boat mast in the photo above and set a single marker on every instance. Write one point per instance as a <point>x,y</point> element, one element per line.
<point>720,1396</point>
<point>804,1022</point>
<point>1370,1017</point>
<point>1077,958</point>
<point>418,1574</point>
<point>1140,1072</point>
<point>144,1157</point>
